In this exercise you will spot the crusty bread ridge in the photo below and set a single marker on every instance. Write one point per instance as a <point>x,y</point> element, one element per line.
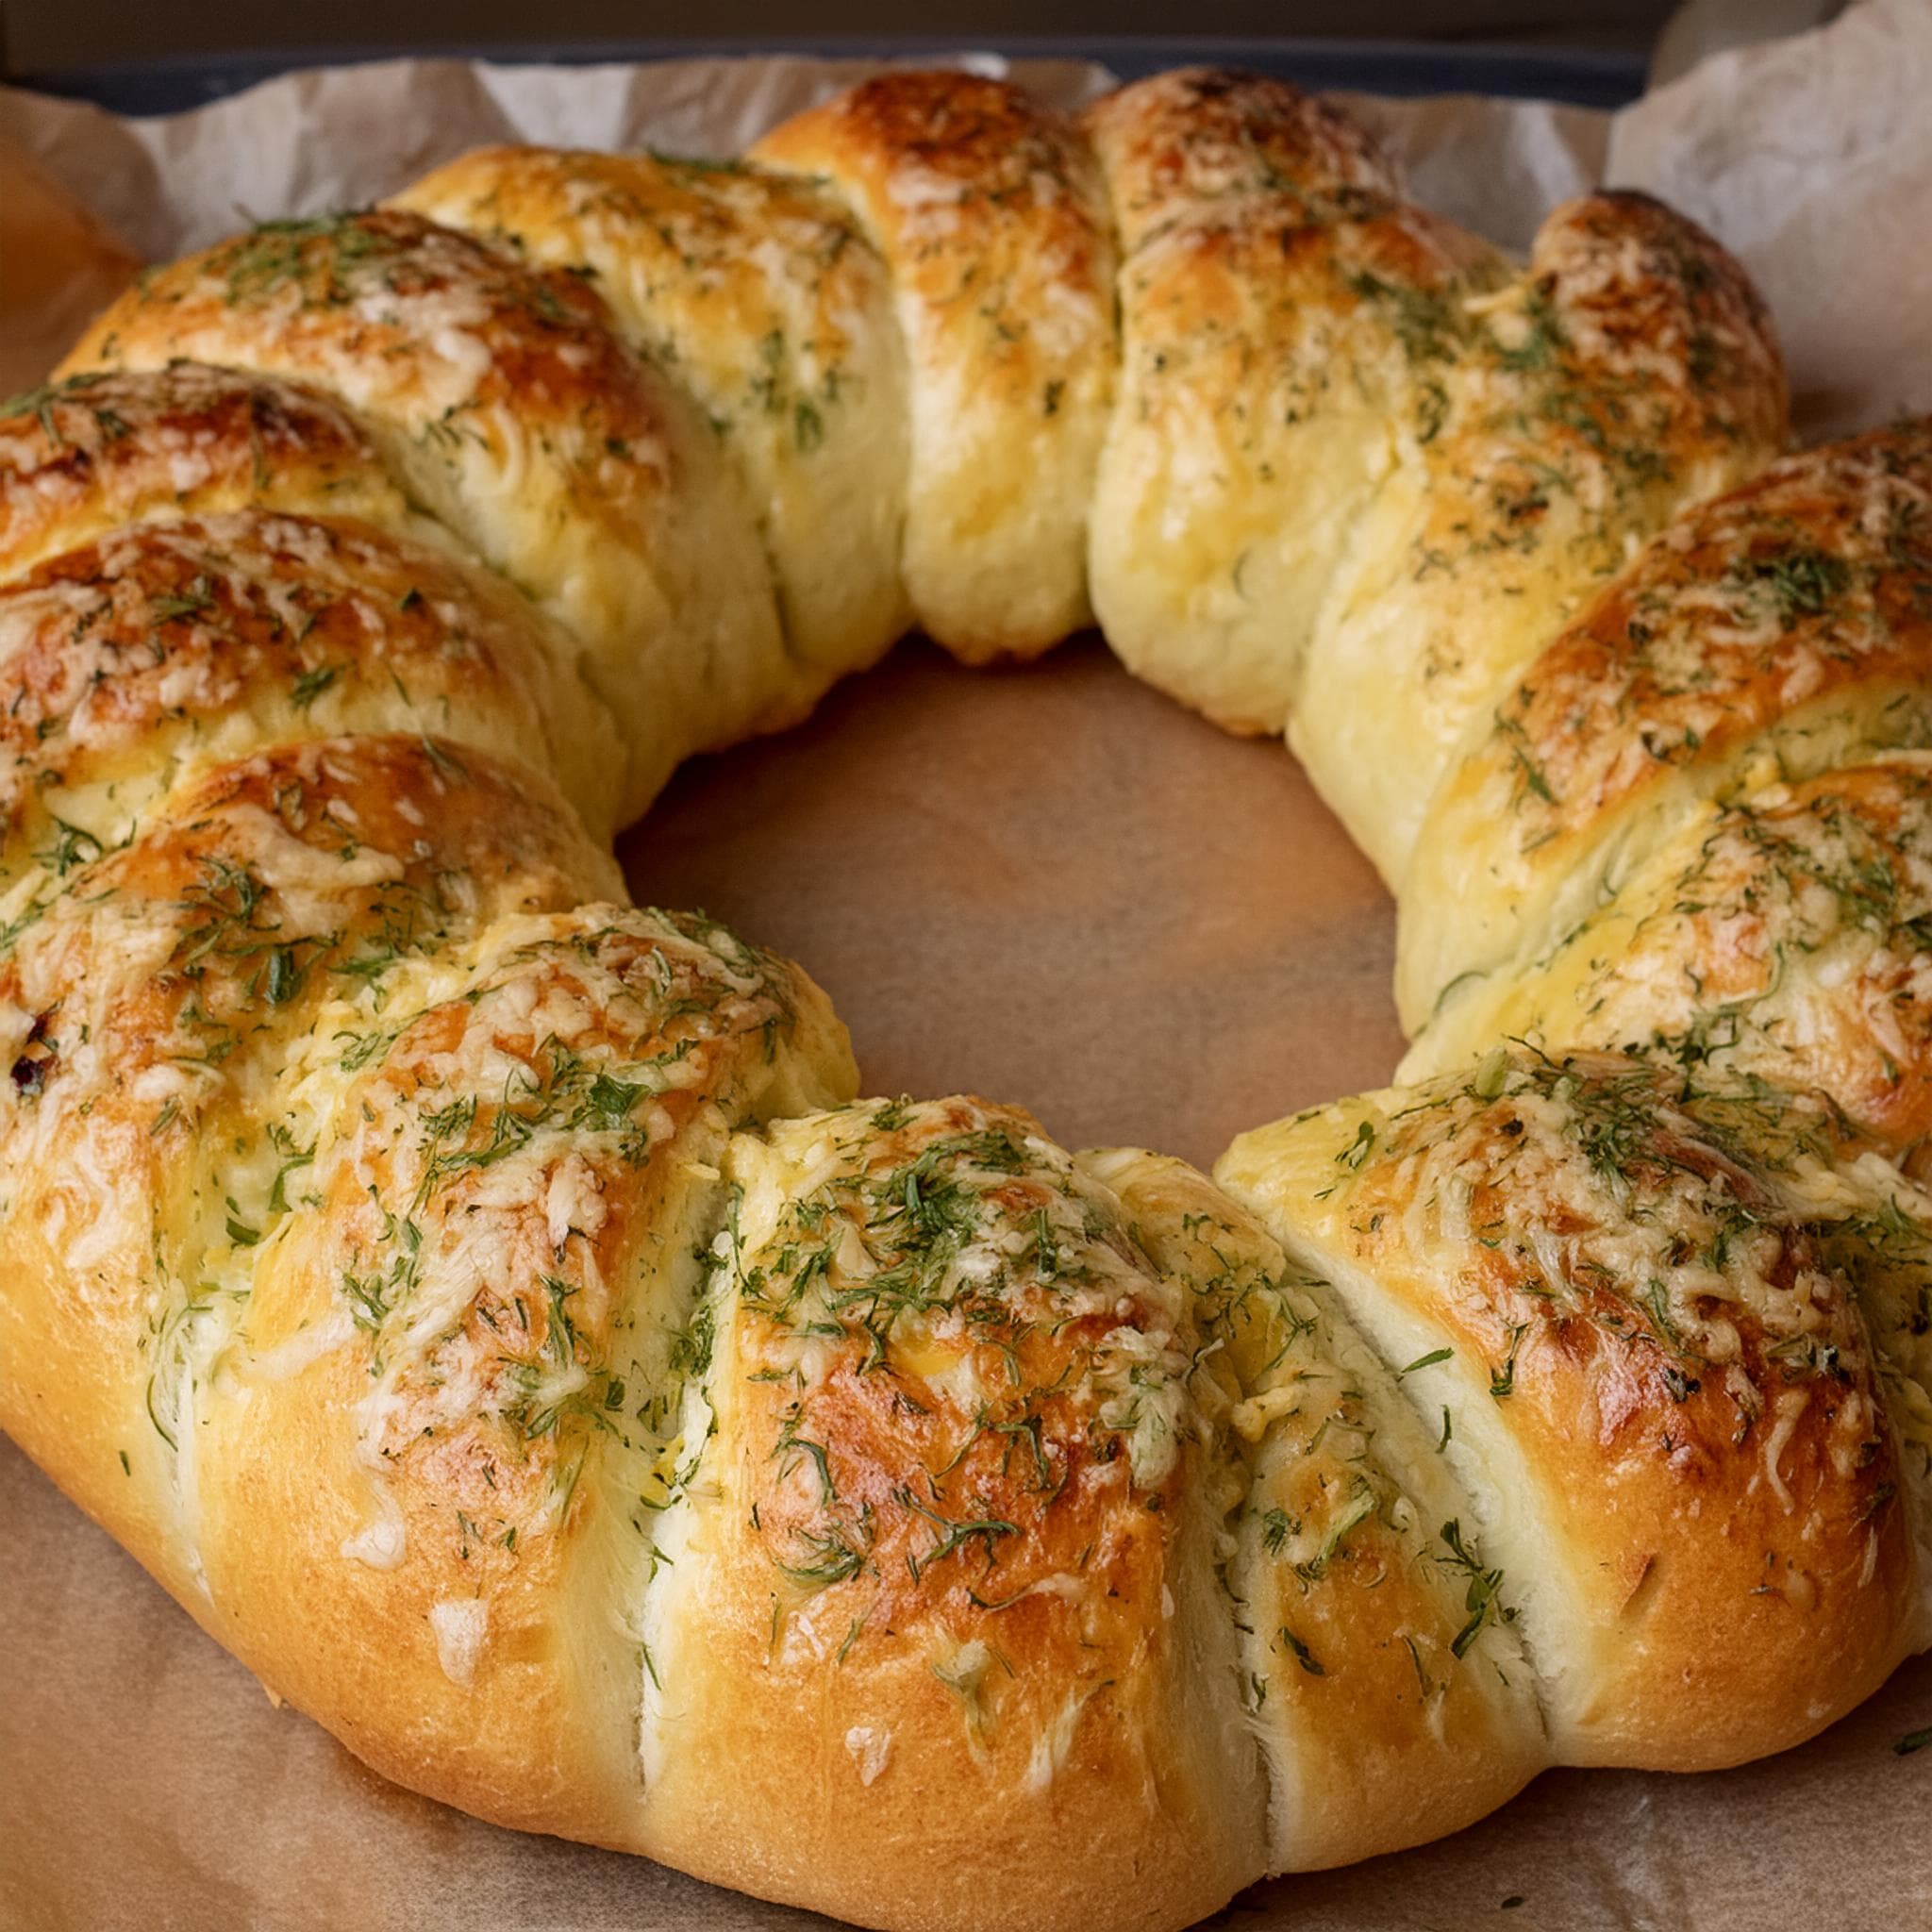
<point>490,1308</point>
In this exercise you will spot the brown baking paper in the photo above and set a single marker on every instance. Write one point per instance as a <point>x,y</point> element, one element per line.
<point>1047,885</point>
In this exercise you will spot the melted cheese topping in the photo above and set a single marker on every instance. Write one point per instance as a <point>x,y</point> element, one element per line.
<point>955,1396</point>
<point>1555,1188</point>
<point>84,456</point>
<point>1782,936</point>
<point>1775,632</point>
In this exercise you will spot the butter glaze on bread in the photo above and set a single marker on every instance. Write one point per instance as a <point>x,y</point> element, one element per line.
<point>490,1308</point>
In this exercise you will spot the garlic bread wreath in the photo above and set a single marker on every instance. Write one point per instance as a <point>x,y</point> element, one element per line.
<point>491,1309</point>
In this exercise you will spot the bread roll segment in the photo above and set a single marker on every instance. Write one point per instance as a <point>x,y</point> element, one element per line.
<point>759,295</point>
<point>149,1009</point>
<point>1781,936</point>
<point>484,1304</point>
<point>448,1411</point>
<point>165,646</point>
<point>1662,1395</point>
<point>940,1597</point>
<point>1279,304</point>
<point>989,210</point>
<point>83,456</point>
<point>1382,1671</point>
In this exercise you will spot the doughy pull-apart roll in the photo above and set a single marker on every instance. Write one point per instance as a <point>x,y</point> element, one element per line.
<point>1776,633</point>
<point>1381,1671</point>
<point>151,1008</point>
<point>485,1305</point>
<point>446,1424</point>
<point>988,211</point>
<point>946,1535</point>
<point>1628,371</point>
<point>760,293</point>
<point>166,645</point>
<point>1663,1399</point>
<point>1786,935</point>
<point>1264,373</point>
<point>1361,465</point>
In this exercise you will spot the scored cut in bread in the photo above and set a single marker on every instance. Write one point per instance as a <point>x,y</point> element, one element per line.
<point>488,1307</point>
<point>1780,935</point>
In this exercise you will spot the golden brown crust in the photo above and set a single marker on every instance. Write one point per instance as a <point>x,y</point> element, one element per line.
<point>444,1413</point>
<point>988,210</point>
<point>1773,631</point>
<point>1660,322</point>
<point>1686,1467</point>
<point>1279,306</point>
<point>1264,361</point>
<point>1181,144</point>
<point>1812,577</point>
<point>149,1007</point>
<point>1629,371</point>
<point>355,301</point>
<point>1394,1702</point>
<point>83,457</point>
<point>760,293</point>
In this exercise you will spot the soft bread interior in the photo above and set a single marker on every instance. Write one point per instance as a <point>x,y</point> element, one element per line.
<point>1347,1553</point>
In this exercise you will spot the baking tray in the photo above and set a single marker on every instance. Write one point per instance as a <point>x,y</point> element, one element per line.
<point>1401,68</point>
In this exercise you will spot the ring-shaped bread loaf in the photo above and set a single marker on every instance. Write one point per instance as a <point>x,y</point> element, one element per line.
<point>489,1306</point>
